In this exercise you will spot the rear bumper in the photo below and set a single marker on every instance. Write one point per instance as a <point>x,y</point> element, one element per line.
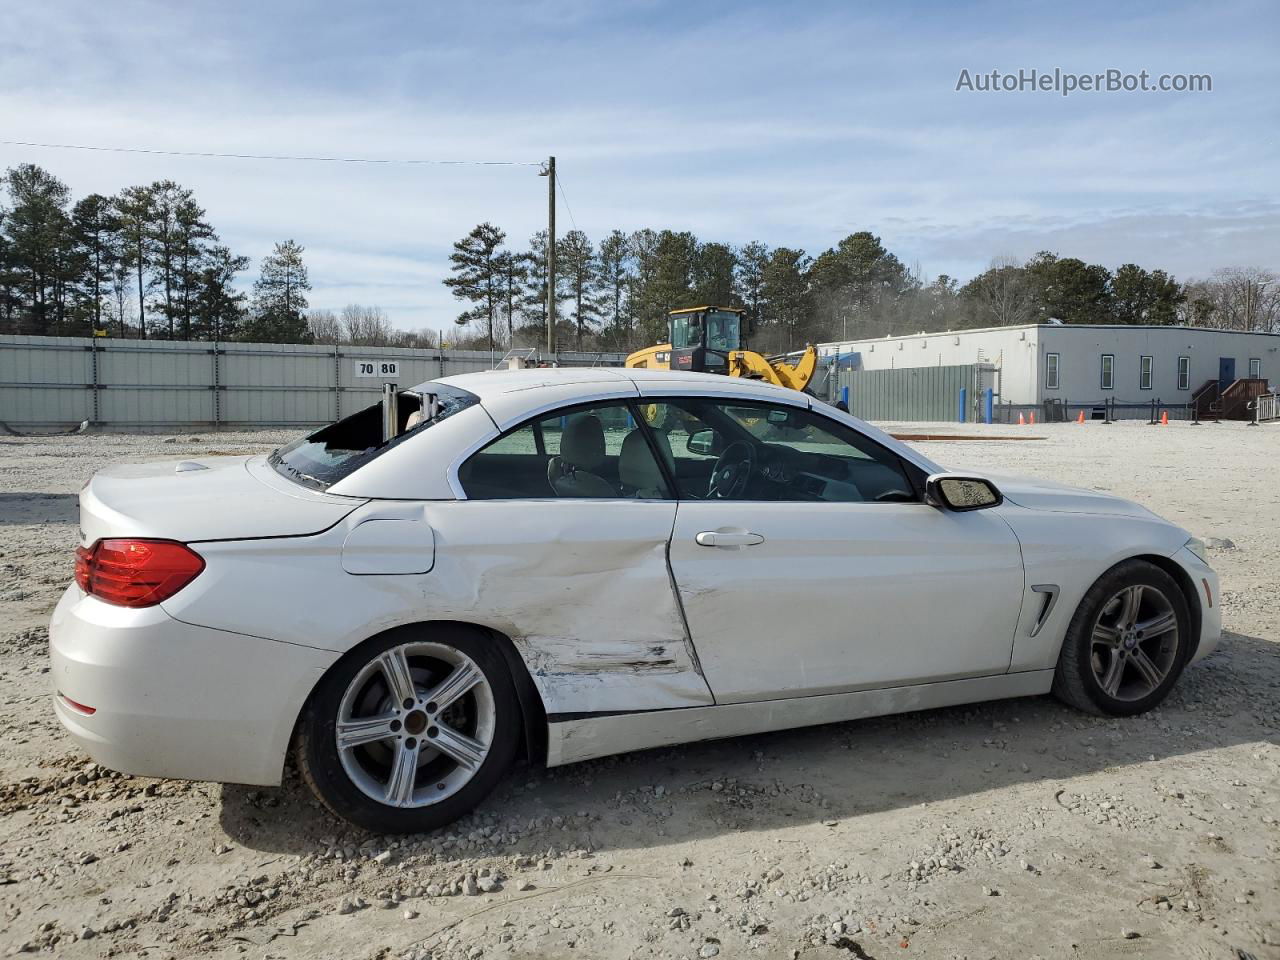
<point>170,699</point>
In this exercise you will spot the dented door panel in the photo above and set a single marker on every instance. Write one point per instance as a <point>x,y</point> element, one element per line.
<point>583,589</point>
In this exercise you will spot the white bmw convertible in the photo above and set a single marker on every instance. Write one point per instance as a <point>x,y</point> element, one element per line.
<point>574,563</point>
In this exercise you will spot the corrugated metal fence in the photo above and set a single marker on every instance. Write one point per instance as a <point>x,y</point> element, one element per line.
<point>58,382</point>
<point>909,393</point>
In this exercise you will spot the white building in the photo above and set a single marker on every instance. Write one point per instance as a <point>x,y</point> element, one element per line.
<point>1080,363</point>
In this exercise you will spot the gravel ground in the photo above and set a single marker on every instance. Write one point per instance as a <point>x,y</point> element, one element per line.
<point>1016,829</point>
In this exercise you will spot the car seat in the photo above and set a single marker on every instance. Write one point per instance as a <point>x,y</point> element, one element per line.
<point>581,452</point>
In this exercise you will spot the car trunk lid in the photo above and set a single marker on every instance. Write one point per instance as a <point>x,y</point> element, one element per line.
<point>215,498</point>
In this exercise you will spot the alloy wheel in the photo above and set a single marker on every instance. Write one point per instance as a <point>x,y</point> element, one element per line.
<point>1134,644</point>
<point>415,724</point>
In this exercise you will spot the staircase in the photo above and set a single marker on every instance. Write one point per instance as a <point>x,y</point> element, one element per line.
<point>1233,403</point>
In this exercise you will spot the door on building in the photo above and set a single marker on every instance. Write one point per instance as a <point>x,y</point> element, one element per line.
<point>1226,372</point>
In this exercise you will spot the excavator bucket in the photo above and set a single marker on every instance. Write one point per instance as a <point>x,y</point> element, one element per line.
<point>748,363</point>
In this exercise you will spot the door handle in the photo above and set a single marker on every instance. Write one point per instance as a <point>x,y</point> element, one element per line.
<point>721,538</point>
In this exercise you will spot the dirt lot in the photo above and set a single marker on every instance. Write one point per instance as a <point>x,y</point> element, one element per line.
<point>1017,829</point>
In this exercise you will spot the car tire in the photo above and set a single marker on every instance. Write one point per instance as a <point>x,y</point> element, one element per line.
<point>1127,643</point>
<point>406,764</point>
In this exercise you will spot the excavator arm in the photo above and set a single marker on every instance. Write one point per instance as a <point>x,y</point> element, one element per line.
<point>755,366</point>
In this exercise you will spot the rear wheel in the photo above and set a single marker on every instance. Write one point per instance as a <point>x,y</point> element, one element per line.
<point>412,730</point>
<point>1127,643</point>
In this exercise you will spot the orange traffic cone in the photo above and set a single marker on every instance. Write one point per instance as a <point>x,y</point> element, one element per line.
<point>1164,418</point>
<point>1080,419</point>
<point>1022,422</point>
<point>1033,418</point>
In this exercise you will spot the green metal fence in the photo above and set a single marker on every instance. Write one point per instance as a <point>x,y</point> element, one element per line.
<point>908,393</point>
<point>54,383</point>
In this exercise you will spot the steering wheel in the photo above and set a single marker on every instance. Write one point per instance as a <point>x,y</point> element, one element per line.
<point>732,472</point>
<point>895,496</point>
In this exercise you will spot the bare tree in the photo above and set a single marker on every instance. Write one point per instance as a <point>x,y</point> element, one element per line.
<point>1240,298</point>
<point>324,326</point>
<point>366,326</point>
<point>1002,294</point>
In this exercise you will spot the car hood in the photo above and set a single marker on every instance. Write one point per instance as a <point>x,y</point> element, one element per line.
<point>215,498</point>
<point>1060,498</point>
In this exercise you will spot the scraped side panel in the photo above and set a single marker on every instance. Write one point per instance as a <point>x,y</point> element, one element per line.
<point>583,589</point>
<point>581,586</point>
<point>573,740</point>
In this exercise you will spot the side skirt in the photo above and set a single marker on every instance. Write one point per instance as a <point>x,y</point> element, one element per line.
<point>583,738</point>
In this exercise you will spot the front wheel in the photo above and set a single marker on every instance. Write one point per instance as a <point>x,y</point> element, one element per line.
<point>1127,643</point>
<point>412,730</point>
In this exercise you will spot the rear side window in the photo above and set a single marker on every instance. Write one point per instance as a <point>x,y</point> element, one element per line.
<point>341,448</point>
<point>596,452</point>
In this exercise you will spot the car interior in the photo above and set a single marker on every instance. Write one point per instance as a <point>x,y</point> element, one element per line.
<point>743,453</point>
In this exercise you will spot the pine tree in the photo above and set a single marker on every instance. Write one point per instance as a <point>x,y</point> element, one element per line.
<point>476,277</point>
<point>576,258</point>
<point>533,306</point>
<point>162,232</point>
<point>217,308</point>
<point>613,275</point>
<point>533,300</point>
<point>96,234</point>
<point>10,281</point>
<point>752,259</point>
<point>279,298</point>
<point>134,210</point>
<point>513,274</point>
<point>713,267</point>
<point>191,234</point>
<point>645,312</point>
<point>786,292</point>
<point>37,229</point>
<point>671,286</point>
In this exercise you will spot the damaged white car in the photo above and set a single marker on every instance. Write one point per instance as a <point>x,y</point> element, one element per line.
<point>574,563</point>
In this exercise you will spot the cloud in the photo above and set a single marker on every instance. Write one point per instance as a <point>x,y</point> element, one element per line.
<point>792,125</point>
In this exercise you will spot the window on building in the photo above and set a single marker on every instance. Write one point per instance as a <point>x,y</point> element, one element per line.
<point>1255,368</point>
<point>1184,373</point>
<point>1144,373</point>
<point>1051,371</point>
<point>1108,371</point>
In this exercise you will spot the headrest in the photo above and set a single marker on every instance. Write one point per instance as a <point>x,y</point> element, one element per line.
<point>636,467</point>
<point>582,443</point>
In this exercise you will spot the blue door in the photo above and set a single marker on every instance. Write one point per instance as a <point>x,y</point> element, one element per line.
<point>1226,372</point>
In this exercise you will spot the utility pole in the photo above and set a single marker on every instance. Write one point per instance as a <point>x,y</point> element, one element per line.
<point>551,256</point>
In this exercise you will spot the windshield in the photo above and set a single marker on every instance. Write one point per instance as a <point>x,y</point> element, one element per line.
<point>341,448</point>
<point>684,330</point>
<point>724,330</point>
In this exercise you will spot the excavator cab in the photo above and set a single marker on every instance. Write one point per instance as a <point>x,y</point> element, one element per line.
<point>703,337</point>
<point>714,340</point>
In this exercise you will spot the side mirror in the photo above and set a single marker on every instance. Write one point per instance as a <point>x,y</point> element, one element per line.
<point>951,491</point>
<point>702,443</point>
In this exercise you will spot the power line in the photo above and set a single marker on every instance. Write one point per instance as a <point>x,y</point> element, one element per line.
<point>266,156</point>
<point>565,198</point>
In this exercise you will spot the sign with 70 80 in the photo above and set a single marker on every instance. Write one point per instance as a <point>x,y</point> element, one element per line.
<point>382,369</point>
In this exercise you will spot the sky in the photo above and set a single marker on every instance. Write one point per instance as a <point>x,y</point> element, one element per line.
<point>792,124</point>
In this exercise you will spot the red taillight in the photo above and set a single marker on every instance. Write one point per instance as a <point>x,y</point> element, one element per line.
<point>77,707</point>
<point>136,573</point>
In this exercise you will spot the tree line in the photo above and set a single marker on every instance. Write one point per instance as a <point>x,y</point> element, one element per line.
<point>615,295</point>
<point>146,263</point>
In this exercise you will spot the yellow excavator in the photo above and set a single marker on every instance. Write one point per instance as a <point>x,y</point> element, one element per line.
<point>713,340</point>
